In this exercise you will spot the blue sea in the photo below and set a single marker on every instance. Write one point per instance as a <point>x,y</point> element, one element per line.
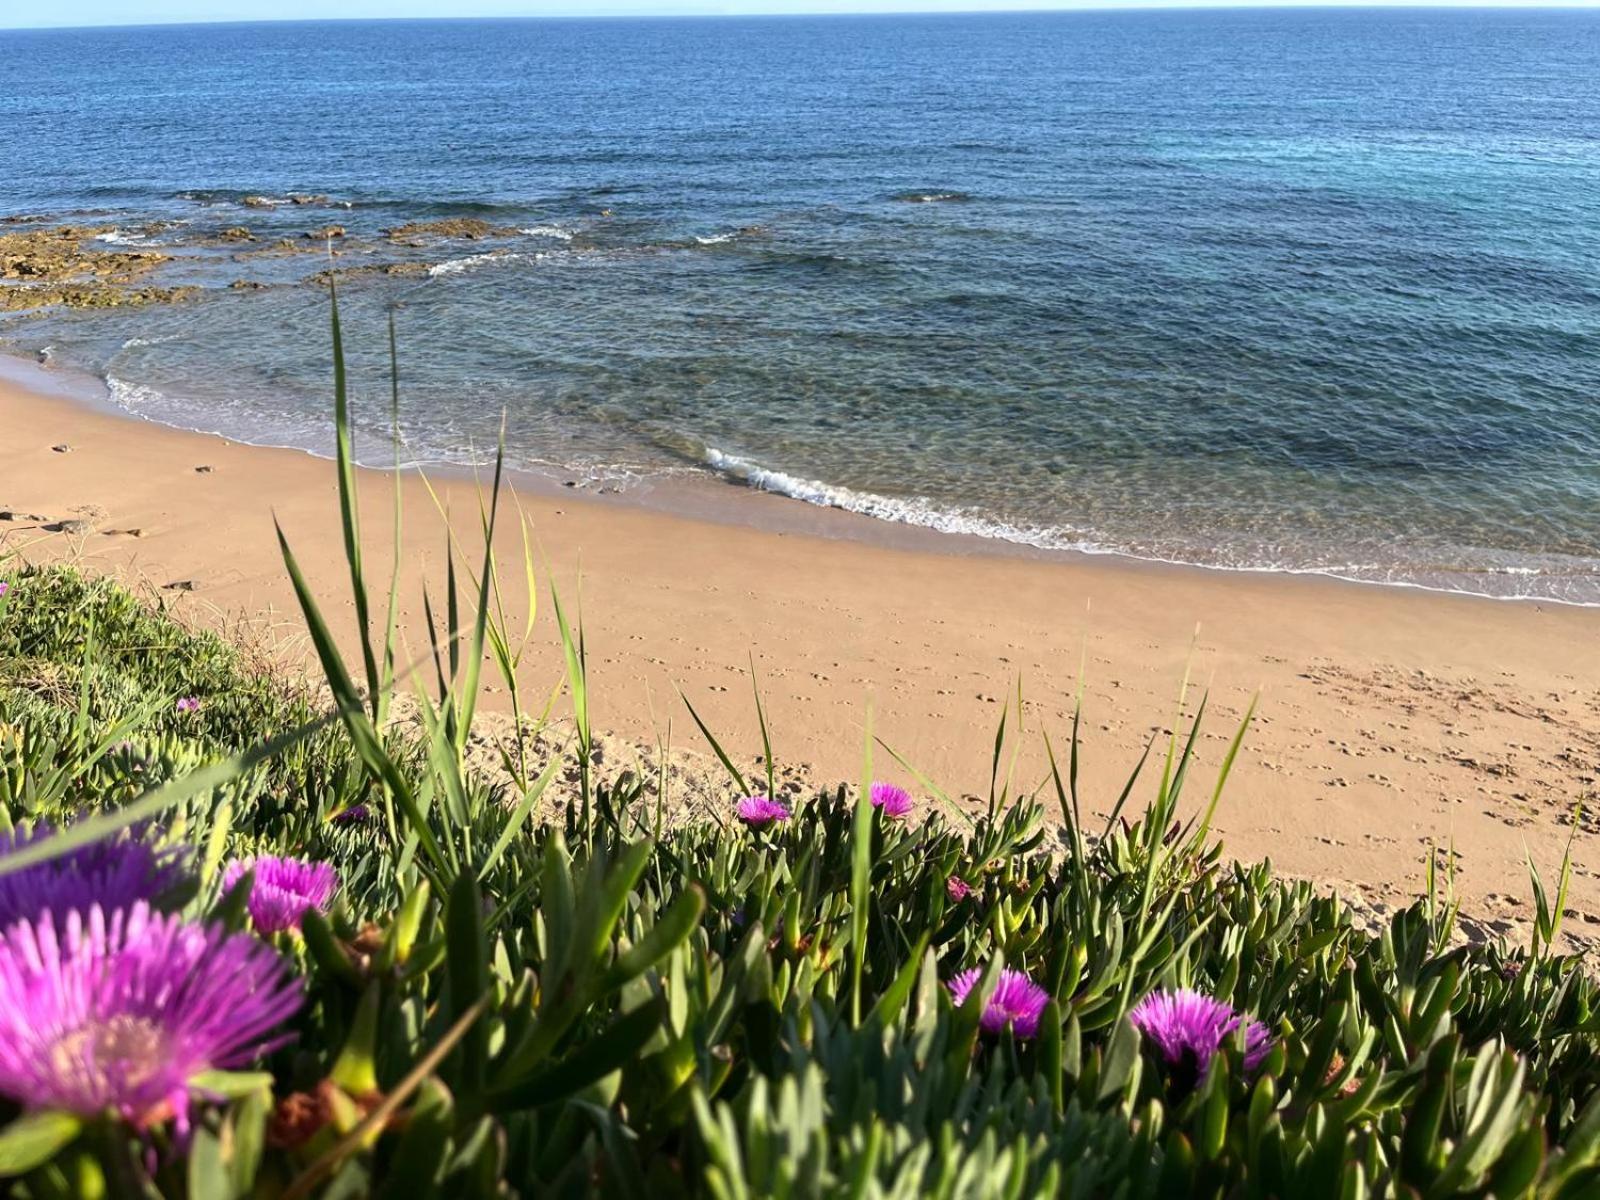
<point>1300,290</point>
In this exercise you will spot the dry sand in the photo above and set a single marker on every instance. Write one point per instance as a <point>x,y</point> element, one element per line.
<point>1390,719</point>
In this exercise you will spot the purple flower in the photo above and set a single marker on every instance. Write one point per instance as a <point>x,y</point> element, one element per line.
<point>4,587</point>
<point>1017,1001</point>
<point>957,888</point>
<point>120,1012</point>
<point>894,801</point>
<point>758,811</point>
<point>1189,1027</point>
<point>284,889</point>
<point>356,814</point>
<point>112,872</point>
<point>189,704</point>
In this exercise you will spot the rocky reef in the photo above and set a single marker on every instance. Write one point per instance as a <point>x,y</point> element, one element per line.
<point>415,233</point>
<point>63,265</point>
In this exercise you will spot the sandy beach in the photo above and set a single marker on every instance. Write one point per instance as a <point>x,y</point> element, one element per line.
<point>1389,719</point>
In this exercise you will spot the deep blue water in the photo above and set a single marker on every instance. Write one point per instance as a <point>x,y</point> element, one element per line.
<point>1295,289</point>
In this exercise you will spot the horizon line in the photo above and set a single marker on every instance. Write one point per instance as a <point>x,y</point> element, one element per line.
<point>1091,6</point>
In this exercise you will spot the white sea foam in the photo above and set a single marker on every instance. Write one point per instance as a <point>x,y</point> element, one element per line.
<point>454,266</point>
<point>549,231</point>
<point>135,397</point>
<point>121,237</point>
<point>132,342</point>
<point>908,510</point>
<point>716,239</point>
<point>920,511</point>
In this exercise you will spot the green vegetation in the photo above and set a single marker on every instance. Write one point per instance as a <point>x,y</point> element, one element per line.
<point>505,998</point>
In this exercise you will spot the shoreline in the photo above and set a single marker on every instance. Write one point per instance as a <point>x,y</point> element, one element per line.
<point>1391,719</point>
<point>708,495</point>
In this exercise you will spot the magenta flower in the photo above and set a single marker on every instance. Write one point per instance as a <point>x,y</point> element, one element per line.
<point>957,888</point>
<point>189,704</point>
<point>113,872</point>
<point>760,811</point>
<point>4,587</point>
<point>894,801</point>
<point>356,814</point>
<point>1188,1028</point>
<point>284,889</point>
<point>1017,1001</point>
<point>120,1012</point>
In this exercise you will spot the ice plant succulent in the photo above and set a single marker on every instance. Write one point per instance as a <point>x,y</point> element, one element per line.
<point>759,811</point>
<point>113,872</point>
<point>284,888</point>
<point>1017,1001</point>
<point>1187,1029</point>
<point>893,801</point>
<point>189,704</point>
<point>119,1011</point>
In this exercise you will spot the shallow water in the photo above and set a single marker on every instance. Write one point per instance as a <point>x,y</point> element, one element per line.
<point>1305,290</point>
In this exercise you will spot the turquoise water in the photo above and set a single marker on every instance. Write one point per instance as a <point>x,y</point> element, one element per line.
<point>1312,290</point>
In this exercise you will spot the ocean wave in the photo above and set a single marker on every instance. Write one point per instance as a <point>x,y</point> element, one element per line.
<point>931,197</point>
<point>908,510</point>
<point>927,514</point>
<point>717,239</point>
<point>455,266</point>
<point>121,237</point>
<point>212,196</point>
<point>134,397</point>
<point>549,231</point>
<point>134,342</point>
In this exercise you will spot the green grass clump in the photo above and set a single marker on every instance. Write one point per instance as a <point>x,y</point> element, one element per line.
<point>506,999</point>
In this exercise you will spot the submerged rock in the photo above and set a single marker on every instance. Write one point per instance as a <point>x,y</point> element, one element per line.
<point>90,294</point>
<point>65,252</point>
<point>326,232</point>
<point>470,228</point>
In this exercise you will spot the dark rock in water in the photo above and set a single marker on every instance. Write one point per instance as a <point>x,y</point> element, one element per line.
<point>93,294</point>
<point>246,285</point>
<point>302,198</point>
<point>470,228</point>
<point>256,202</point>
<point>63,265</point>
<point>236,233</point>
<point>326,232</point>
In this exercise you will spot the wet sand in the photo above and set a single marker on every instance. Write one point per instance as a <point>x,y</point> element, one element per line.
<point>1390,720</point>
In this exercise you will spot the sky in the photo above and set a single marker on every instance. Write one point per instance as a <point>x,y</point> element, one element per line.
<point>47,13</point>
